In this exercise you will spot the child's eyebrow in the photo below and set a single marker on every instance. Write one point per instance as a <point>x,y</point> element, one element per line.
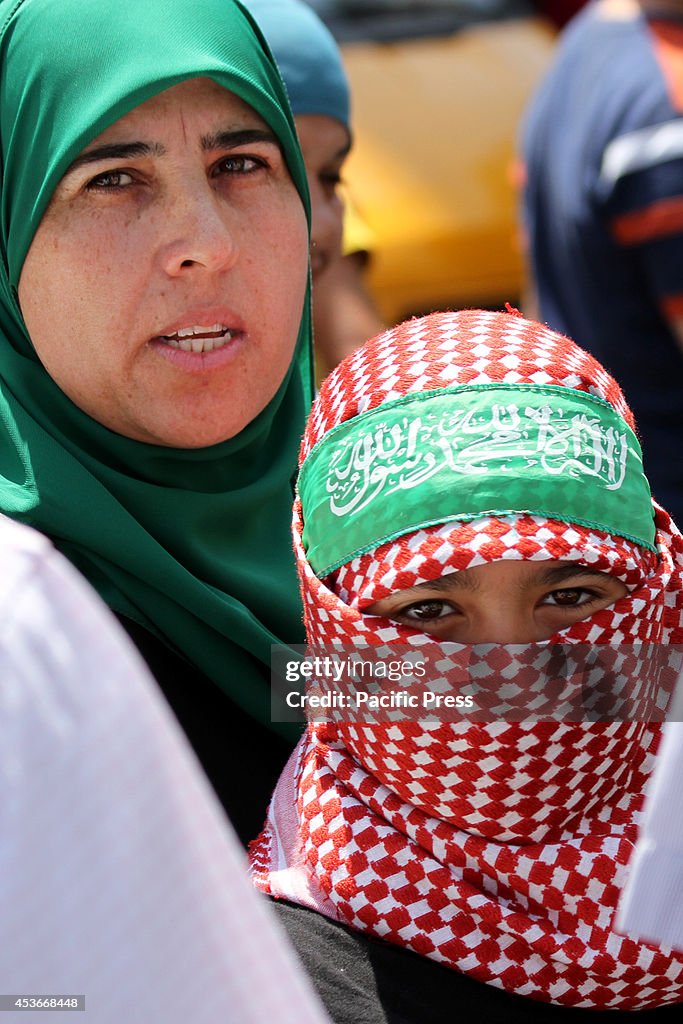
<point>464,581</point>
<point>450,581</point>
<point>570,571</point>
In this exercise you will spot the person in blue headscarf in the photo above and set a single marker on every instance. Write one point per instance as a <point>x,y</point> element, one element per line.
<point>311,66</point>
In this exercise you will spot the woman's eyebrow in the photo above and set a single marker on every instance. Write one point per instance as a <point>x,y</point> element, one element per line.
<point>230,139</point>
<point>116,151</point>
<point>342,153</point>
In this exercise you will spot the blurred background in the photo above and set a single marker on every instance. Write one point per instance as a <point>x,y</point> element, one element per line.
<point>438,89</point>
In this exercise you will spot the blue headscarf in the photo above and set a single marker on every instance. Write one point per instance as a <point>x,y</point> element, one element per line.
<point>307,56</point>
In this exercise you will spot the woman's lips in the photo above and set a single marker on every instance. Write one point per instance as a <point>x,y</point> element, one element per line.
<point>199,339</point>
<point>200,349</point>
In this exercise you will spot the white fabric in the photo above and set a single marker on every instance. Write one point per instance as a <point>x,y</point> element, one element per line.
<point>289,874</point>
<point>651,905</point>
<point>119,876</point>
<point>641,149</point>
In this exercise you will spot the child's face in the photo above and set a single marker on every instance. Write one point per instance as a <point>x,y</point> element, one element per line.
<point>506,602</point>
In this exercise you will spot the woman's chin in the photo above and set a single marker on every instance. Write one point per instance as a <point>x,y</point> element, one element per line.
<point>189,436</point>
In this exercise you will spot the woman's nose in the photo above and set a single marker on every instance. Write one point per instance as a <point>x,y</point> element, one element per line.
<point>326,227</point>
<point>200,235</point>
<point>327,216</point>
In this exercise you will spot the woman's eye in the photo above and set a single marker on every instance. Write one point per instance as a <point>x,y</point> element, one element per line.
<point>110,180</point>
<point>570,597</point>
<point>238,165</point>
<point>425,611</point>
<point>330,180</point>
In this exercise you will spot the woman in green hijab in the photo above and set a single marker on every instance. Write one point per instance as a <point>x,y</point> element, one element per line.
<point>154,364</point>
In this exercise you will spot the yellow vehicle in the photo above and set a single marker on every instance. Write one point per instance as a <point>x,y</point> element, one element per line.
<point>438,89</point>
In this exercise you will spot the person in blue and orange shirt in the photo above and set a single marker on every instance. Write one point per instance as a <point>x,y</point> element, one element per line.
<point>603,210</point>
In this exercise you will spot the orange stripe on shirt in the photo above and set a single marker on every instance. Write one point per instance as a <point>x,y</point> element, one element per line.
<point>672,306</point>
<point>667,39</point>
<point>662,218</point>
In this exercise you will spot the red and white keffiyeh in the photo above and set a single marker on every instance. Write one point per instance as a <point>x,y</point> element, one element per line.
<point>497,849</point>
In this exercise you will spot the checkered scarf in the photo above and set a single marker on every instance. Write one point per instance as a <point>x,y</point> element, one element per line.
<point>497,849</point>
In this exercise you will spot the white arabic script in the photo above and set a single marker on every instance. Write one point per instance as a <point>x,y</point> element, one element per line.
<point>402,455</point>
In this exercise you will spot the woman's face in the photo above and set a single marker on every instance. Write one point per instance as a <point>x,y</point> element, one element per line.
<point>165,285</point>
<point>325,144</point>
<point>506,602</point>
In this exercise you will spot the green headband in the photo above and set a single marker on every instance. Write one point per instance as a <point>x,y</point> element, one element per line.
<point>465,452</point>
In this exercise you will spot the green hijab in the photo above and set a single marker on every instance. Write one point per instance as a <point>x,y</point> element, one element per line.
<point>192,544</point>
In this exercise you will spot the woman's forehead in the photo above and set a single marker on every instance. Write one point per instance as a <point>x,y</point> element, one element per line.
<point>195,106</point>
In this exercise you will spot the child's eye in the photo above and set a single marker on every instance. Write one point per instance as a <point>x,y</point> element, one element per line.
<point>110,180</point>
<point>570,597</point>
<point>424,611</point>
